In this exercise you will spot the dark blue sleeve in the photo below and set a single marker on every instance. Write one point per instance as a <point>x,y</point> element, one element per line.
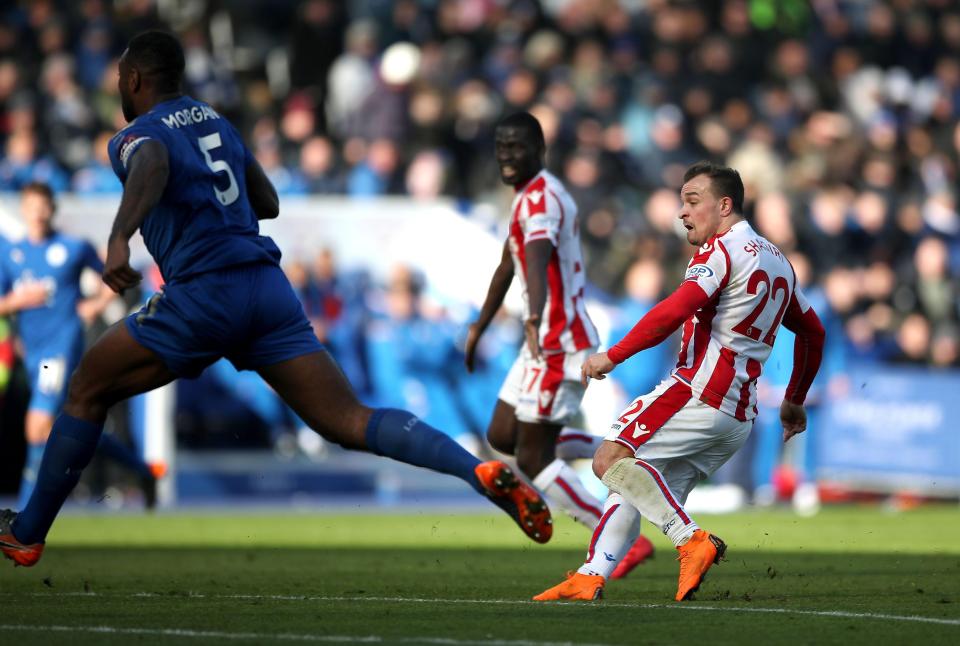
<point>90,257</point>
<point>125,144</point>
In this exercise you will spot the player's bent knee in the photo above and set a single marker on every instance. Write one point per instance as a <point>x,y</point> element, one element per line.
<point>500,443</point>
<point>600,465</point>
<point>346,428</point>
<point>85,397</point>
<point>606,456</point>
<point>83,388</point>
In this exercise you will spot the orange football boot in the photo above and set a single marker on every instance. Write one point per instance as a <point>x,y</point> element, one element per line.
<point>583,587</point>
<point>639,552</point>
<point>696,557</point>
<point>20,554</point>
<point>517,498</point>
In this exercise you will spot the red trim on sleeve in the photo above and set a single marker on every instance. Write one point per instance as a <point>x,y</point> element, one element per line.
<point>807,349</point>
<point>535,196</point>
<point>661,321</point>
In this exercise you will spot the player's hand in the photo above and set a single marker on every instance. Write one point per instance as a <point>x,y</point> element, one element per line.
<point>794,419</point>
<point>117,272</point>
<point>595,367</point>
<point>470,345</point>
<point>28,296</point>
<point>531,329</point>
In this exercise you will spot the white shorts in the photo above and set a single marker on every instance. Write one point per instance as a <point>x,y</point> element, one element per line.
<point>685,439</point>
<point>548,390</point>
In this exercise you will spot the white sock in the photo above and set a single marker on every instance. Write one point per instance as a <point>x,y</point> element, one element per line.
<point>576,444</point>
<point>644,488</point>
<point>618,528</point>
<point>562,487</point>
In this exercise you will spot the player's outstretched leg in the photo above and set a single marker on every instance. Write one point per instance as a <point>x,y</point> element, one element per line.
<point>38,424</point>
<point>71,445</point>
<point>402,436</point>
<point>316,389</point>
<point>115,367</point>
<point>644,487</point>
<point>619,524</point>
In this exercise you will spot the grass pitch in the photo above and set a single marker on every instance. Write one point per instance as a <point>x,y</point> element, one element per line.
<point>849,575</point>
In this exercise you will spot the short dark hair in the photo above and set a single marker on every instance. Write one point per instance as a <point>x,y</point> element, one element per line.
<point>526,122</point>
<point>724,181</point>
<point>158,54</point>
<point>41,188</point>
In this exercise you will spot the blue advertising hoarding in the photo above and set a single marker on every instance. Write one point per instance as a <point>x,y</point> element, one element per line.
<point>894,428</point>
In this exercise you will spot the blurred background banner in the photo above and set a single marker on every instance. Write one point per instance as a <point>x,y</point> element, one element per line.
<point>374,234</point>
<point>895,429</point>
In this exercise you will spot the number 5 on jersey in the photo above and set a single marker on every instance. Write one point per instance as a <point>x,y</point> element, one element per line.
<point>208,143</point>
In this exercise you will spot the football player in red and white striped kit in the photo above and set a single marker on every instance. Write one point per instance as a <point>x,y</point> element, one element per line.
<point>737,291</point>
<point>543,389</point>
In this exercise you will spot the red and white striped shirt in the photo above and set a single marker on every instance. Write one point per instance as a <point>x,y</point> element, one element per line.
<point>543,210</point>
<point>750,284</point>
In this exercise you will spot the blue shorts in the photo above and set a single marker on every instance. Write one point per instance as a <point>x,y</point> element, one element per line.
<point>49,369</point>
<point>248,314</point>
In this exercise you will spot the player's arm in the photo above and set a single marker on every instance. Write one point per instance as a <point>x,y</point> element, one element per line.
<point>659,323</point>
<point>499,284</point>
<point>23,298</point>
<point>537,253</point>
<point>707,274</point>
<point>807,354</point>
<point>147,173</point>
<point>263,197</point>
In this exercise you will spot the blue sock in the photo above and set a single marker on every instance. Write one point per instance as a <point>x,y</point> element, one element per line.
<point>111,447</point>
<point>30,469</point>
<point>71,445</point>
<point>402,436</point>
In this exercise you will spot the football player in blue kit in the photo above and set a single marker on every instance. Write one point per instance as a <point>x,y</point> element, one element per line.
<point>40,283</point>
<point>195,193</point>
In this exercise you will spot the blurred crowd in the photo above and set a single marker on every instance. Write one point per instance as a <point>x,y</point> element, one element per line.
<point>840,115</point>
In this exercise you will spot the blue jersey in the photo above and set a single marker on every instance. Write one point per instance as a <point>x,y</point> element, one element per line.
<point>203,221</point>
<point>56,263</point>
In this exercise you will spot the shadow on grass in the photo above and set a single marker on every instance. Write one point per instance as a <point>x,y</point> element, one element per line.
<point>484,574</point>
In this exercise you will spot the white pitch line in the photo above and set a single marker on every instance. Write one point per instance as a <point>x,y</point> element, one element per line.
<point>842,614</point>
<point>261,637</point>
